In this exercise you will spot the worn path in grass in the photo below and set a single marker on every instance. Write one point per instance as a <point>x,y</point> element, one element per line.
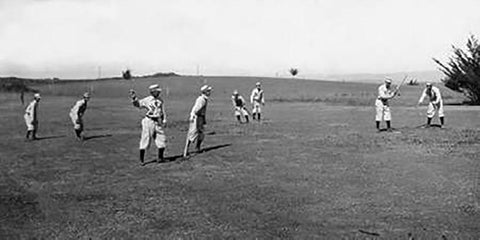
<point>309,171</point>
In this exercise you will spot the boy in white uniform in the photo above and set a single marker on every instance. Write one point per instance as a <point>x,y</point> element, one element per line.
<point>198,120</point>
<point>153,122</point>
<point>435,103</point>
<point>30,117</point>
<point>257,99</point>
<point>382,106</point>
<point>239,107</point>
<point>76,114</point>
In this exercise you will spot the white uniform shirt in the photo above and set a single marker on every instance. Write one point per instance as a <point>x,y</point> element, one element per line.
<point>200,107</point>
<point>31,109</point>
<point>434,95</point>
<point>154,107</point>
<point>79,108</point>
<point>384,93</point>
<point>257,96</point>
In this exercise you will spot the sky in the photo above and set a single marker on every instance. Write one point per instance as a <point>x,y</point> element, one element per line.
<point>91,38</point>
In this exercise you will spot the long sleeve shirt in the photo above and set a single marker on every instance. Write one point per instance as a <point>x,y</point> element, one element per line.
<point>31,110</point>
<point>257,96</point>
<point>200,107</point>
<point>79,108</point>
<point>434,95</point>
<point>154,106</point>
<point>384,93</point>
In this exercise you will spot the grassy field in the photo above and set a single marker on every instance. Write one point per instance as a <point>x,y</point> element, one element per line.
<point>315,168</point>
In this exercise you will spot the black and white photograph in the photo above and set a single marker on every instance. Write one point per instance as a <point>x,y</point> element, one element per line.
<point>253,119</point>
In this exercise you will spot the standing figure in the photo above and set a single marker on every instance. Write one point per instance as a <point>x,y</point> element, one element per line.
<point>385,93</point>
<point>257,99</point>
<point>153,122</point>
<point>239,107</point>
<point>76,114</point>
<point>435,103</point>
<point>31,119</point>
<point>198,120</point>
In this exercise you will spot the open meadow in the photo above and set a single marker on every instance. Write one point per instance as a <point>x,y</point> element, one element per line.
<point>315,168</point>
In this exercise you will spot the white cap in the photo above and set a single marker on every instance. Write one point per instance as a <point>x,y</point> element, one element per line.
<point>36,95</point>
<point>257,84</point>
<point>86,95</point>
<point>429,84</point>
<point>205,88</point>
<point>235,92</point>
<point>154,87</point>
<point>388,80</point>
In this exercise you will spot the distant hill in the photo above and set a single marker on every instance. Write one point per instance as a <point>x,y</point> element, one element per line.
<point>16,84</point>
<point>421,76</point>
<point>160,74</point>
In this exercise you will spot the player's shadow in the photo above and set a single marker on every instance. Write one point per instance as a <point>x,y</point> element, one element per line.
<point>208,149</point>
<point>86,138</point>
<point>180,156</point>
<point>431,126</point>
<point>50,137</point>
<point>386,130</point>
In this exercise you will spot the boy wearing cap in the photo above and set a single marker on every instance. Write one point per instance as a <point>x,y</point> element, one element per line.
<point>239,107</point>
<point>257,99</point>
<point>198,120</point>
<point>435,103</point>
<point>382,105</point>
<point>153,122</point>
<point>30,117</point>
<point>76,114</point>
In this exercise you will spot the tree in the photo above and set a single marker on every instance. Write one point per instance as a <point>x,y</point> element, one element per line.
<point>126,75</point>
<point>412,82</point>
<point>293,71</point>
<point>462,71</point>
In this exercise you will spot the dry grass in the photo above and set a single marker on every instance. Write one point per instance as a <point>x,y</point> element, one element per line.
<point>311,170</point>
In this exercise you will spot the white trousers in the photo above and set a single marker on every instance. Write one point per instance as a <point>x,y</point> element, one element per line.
<point>151,130</point>
<point>382,111</point>
<point>240,111</point>
<point>29,122</point>
<point>77,121</point>
<point>256,107</point>
<point>434,108</point>
<point>196,129</point>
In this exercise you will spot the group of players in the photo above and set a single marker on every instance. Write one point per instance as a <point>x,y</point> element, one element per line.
<point>155,118</point>
<point>386,93</point>
<point>240,105</point>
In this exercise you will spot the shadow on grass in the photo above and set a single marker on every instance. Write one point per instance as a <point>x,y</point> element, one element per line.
<point>181,158</point>
<point>388,130</point>
<point>421,126</point>
<point>456,104</point>
<point>50,137</point>
<point>96,136</point>
<point>214,148</point>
